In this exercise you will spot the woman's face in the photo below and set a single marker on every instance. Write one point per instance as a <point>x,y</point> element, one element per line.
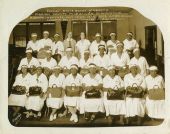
<point>39,71</point>
<point>24,70</point>
<point>56,38</point>
<point>119,48</point>
<point>45,35</point>
<point>82,36</point>
<point>98,39</point>
<point>137,54</point>
<point>101,50</point>
<point>29,55</point>
<point>34,38</point>
<point>113,37</point>
<point>92,70</point>
<point>153,73</point>
<point>69,53</point>
<point>111,72</point>
<point>134,70</point>
<point>57,71</point>
<point>73,71</point>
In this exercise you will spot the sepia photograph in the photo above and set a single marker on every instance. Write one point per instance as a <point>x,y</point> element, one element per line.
<point>86,67</point>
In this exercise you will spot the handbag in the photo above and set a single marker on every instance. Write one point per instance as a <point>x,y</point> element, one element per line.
<point>54,92</point>
<point>118,94</point>
<point>156,93</point>
<point>19,90</point>
<point>73,90</point>
<point>35,91</point>
<point>135,91</point>
<point>92,93</point>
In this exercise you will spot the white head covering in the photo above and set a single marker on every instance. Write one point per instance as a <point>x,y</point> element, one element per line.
<point>45,32</point>
<point>34,35</point>
<point>136,49</point>
<point>132,65</point>
<point>98,35</point>
<point>112,34</point>
<point>57,67</point>
<point>101,46</point>
<point>68,49</point>
<point>129,33</point>
<point>92,65</point>
<point>28,51</point>
<point>86,51</point>
<point>153,68</point>
<point>74,66</point>
<point>57,35</point>
<point>111,67</point>
<point>49,51</point>
<point>119,44</point>
<point>24,66</point>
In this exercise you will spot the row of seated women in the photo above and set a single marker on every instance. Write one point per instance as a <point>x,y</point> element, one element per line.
<point>90,94</point>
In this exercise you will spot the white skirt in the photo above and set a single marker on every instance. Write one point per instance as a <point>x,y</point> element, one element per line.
<point>135,106</point>
<point>72,101</point>
<point>114,107</point>
<point>155,108</point>
<point>54,102</point>
<point>34,103</point>
<point>91,105</point>
<point>17,100</point>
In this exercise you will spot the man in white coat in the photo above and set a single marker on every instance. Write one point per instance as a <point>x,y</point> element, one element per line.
<point>57,46</point>
<point>29,60</point>
<point>82,45</point>
<point>46,42</point>
<point>94,45</point>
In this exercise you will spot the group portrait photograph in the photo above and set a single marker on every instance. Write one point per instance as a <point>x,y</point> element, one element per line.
<point>86,67</point>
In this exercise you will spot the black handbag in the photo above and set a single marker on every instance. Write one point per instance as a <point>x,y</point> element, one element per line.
<point>35,91</point>
<point>73,90</point>
<point>118,94</point>
<point>19,90</point>
<point>92,93</point>
<point>135,91</point>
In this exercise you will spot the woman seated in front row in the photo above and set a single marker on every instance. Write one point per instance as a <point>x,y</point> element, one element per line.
<point>114,106</point>
<point>73,87</point>
<point>92,84</point>
<point>55,92</point>
<point>18,96</point>
<point>36,95</point>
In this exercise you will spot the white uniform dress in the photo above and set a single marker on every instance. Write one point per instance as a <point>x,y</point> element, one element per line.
<point>19,100</point>
<point>120,61</point>
<point>45,42</point>
<point>113,107</point>
<point>36,102</point>
<point>111,43</point>
<point>24,61</point>
<point>130,45</point>
<point>72,101</point>
<point>58,48</point>
<point>65,62</point>
<point>135,106</point>
<point>91,105</point>
<point>142,63</point>
<point>82,45</point>
<point>155,108</point>
<point>102,61</point>
<point>84,64</point>
<point>33,45</point>
<point>58,81</point>
<point>94,47</point>
<point>49,64</point>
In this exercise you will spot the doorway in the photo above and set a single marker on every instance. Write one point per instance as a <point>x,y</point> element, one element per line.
<point>151,44</point>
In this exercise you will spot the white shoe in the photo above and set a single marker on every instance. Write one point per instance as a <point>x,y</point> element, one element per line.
<point>51,118</point>
<point>55,116</point>
<point>75,118</point>
<point>72,118</point>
